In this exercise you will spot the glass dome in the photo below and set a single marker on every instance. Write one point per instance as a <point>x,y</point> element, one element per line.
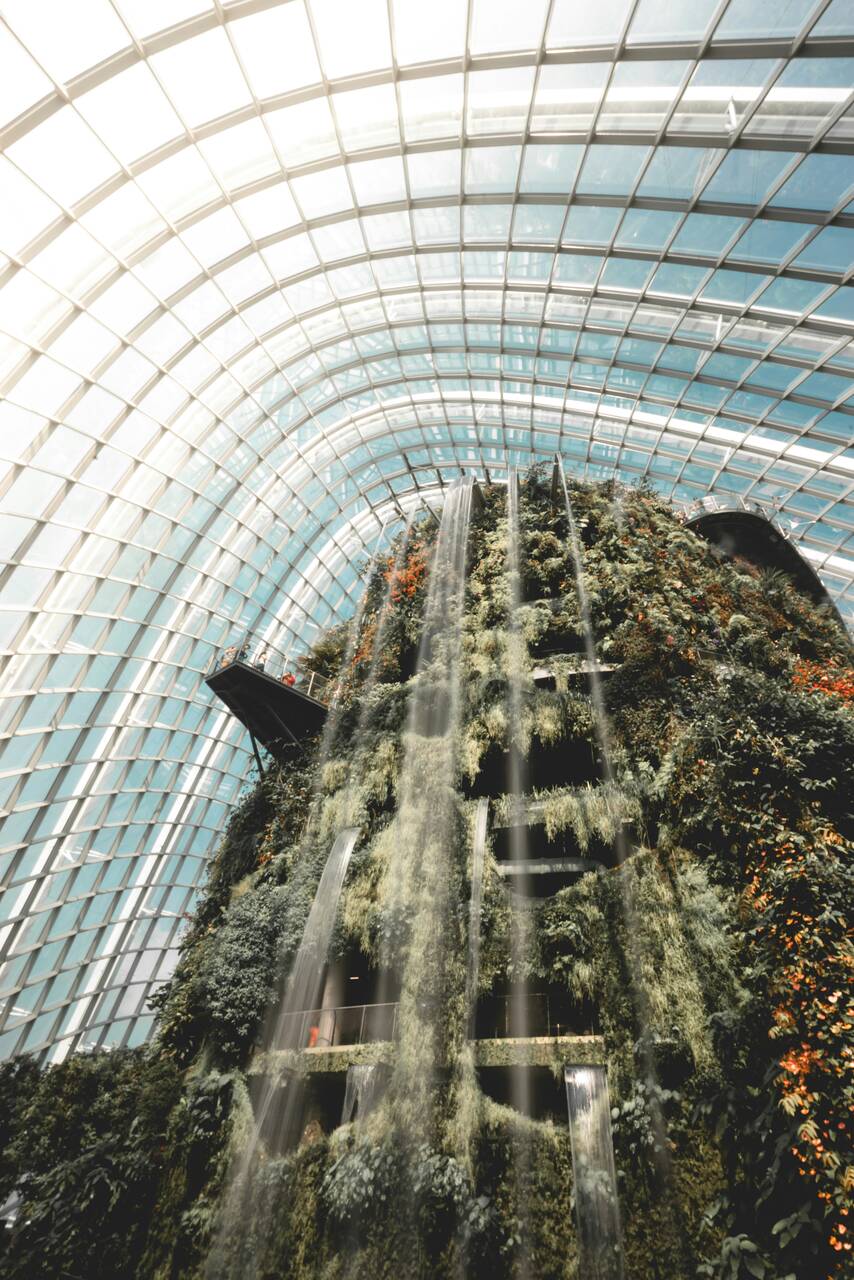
<point>272,274</point>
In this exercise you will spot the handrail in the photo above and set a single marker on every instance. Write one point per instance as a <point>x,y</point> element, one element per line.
<point>251,651</point>
<point>344,1025</point>
<point>354,1024</point>
<point>735,504</point>
<point>541,1017</point>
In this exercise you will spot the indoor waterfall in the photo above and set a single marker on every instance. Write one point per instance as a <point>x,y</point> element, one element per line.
<point>423,833</point>
<point>597,1207</point>
<point>365,1086</point>
<point>481,823</point>
<point>602,730</point>
<point>278,1104</point>
<point>305,981</point>
<point>517,789</point>
<point>517,783</point>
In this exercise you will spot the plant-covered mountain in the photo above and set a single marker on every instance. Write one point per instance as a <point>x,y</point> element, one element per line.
<point>711,956</point>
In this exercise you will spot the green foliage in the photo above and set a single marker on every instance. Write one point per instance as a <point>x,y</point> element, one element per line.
<point>716,956</point>
<point>638,1133</point>
<point>240,977</point>
<point>85,1156</point>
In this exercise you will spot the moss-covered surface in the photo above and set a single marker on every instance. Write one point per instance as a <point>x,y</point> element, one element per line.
<point>716,955</point>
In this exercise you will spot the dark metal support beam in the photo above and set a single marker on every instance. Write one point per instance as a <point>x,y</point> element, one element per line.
<point>257,753</point>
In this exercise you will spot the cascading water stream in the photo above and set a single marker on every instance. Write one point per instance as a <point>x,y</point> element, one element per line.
<point>481,822</point>
<point>602,730</point>
<point>382,626</point>
<point>517,789</point>
<point>305,981</point>
<point>417,893</point>
<point>364,1088</point>
<point>597,1208</point>
<point>433,707</point>
<point>419,907</point>
<point>517,783</point>
<point>277,1108</point>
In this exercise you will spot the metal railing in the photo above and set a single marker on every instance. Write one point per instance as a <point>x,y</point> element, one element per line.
<point>498,1018</point>
<point>711,505</point>
<point>252,652</point>
<point>346,1025</point>
<point>530,1016</point>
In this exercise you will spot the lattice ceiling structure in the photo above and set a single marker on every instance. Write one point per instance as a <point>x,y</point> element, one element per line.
<point>272,274</point>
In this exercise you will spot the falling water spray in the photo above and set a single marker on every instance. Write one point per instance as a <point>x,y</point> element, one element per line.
<point>419,881</point>
<point>602,729</point>
<point>481,822</point>
<point>517,790</point>
<point>277,1109</point>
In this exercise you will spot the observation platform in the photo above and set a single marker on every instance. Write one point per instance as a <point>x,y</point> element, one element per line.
<point>742,528</point>
<point>334,1039</point>
<point>534,864</point>
<point>541,878</point>
<point>553,1052</point>
<point>329,1089</point>
<point>279,706</point>
<point>578,678</point>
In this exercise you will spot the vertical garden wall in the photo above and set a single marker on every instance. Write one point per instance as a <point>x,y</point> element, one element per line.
<point>705,959</point>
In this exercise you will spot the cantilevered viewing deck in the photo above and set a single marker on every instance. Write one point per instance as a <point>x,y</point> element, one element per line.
<point>743,528</point>
<point>279,705</point>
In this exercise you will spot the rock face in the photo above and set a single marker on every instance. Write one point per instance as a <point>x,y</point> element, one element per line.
<point>610,839</point>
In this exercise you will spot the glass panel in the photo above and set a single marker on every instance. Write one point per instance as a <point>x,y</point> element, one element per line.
<point>791,296</point>
<point>745,177</point>
<point>677,281</point>
<point>808,92</point>
<point>491,169</point>
<point>574,26</point>
<point>657,21</point>
<point>317,194</point>
<point>755,19</point>
<point>433,173</point>
<point>589,225</point>
<point>831,250</point>
<point>431,108</point>
<point>677,173</point>
<point>770,242</point>
<point>706,234</point>
<point>611,170</point>
<point>378,181</point>
<point>499,26</point>
<point>427,33</point>
<point>567,96</point>
<point>646,229</point>
<point>819,182</point>
<point>367,117</point>
<point>202,77</point>
<point>498,101</point>
<point>304,132</point>
<point>277,49</point>
<point>835,21</point>
<point>719,94</point>
<point>640,95</point>
<point>352,38</point>
<point>550,168</point>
